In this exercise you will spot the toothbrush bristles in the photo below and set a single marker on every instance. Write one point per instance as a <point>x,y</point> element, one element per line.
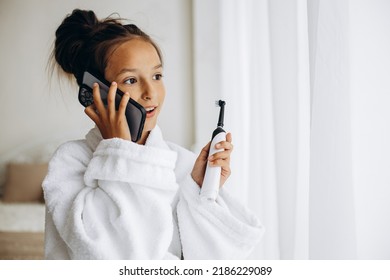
<point>220,103</point>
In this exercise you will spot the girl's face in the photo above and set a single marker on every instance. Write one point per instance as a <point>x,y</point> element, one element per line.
<point>136,67</point>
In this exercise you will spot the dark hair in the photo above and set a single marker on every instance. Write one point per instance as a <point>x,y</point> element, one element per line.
<point>85,43</point>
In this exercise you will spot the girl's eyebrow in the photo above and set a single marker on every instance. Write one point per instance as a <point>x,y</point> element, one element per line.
<point>157,66</point>
<point>135,70</point>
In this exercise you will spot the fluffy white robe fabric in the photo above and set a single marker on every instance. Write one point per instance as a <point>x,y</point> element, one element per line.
<point>114,199</point>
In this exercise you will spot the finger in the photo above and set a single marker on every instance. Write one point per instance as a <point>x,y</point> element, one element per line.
<point>90,111</point>
<point>226,170</point>
<point>123,104</point>
<point>111,100</point>
<point>227,145</point>
<point>97,100</point>
<point>205,151</point>
<point>229,137</point>
<point>224,145</point>
<point>220,162</point>
<point>220,155</point>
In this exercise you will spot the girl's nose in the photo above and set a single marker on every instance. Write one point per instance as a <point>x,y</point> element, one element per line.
<point>148,92</point>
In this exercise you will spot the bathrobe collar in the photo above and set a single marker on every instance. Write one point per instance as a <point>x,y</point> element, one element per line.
<point>155,138</point>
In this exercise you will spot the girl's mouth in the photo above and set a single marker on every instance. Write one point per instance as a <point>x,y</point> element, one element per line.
<point>150,111</point>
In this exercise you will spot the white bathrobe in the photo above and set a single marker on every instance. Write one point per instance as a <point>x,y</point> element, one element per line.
<point>114,199</point>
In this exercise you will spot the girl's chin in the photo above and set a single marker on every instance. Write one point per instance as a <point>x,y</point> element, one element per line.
<point>149,127</point>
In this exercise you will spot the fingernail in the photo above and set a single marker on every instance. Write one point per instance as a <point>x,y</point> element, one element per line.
<point>211,157</point>
<point>113,83</point>
<point>95,84</point>
<point>218,146</point>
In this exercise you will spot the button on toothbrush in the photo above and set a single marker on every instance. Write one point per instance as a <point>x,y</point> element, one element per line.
<point>212,176</point>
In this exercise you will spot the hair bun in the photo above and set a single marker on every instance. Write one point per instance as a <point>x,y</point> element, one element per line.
<point>71,36</point>
<point>83,42</point>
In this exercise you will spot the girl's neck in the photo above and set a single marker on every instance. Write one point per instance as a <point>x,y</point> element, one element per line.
<point>143,138</point>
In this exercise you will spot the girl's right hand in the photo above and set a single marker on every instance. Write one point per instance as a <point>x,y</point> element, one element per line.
<point>111,123</point>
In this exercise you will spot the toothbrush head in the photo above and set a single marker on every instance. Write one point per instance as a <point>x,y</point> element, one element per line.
<point>220,103</point>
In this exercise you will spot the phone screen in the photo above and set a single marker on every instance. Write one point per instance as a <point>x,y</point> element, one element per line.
<point>135,113</point>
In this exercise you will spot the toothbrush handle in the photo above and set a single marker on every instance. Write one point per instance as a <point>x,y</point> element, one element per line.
<point>212,176</point>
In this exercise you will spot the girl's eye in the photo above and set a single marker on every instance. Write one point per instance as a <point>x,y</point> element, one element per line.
<point>157,77</point>
<point>130,81</point>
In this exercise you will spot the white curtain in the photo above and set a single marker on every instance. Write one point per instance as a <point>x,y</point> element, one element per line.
<point>294,74</point>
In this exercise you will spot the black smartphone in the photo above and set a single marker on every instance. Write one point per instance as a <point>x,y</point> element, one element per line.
<point>135,113</point>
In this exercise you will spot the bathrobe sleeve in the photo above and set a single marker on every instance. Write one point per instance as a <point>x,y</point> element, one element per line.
<point>223,229</point>
<point>104,204</point>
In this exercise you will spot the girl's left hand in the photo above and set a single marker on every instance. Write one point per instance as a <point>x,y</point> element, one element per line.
<point>221,159</point>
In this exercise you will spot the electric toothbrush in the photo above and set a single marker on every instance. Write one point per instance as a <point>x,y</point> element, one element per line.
<point>212,176</point>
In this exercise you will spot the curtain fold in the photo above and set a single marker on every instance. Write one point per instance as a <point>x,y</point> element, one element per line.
<point>245,42</point>
<point>332,221</point>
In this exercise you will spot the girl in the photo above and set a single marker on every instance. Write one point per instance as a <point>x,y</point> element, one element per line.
<point>110,198</point>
